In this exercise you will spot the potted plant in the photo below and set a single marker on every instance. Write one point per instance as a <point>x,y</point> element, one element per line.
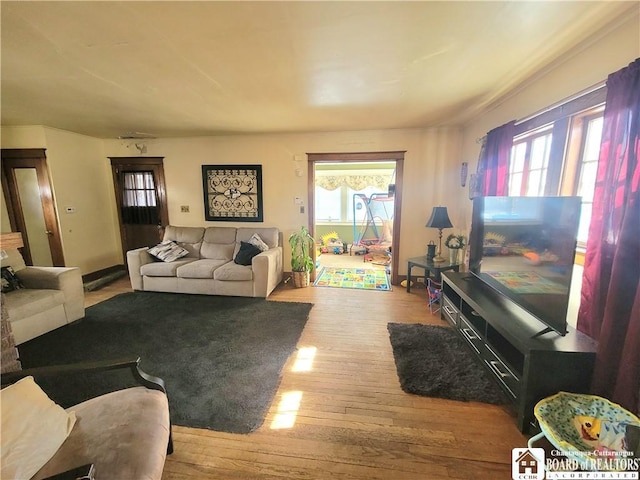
<point>301,243</point>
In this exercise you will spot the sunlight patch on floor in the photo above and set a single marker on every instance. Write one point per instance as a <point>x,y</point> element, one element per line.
<point>304,359</point>
<point>287,410</point>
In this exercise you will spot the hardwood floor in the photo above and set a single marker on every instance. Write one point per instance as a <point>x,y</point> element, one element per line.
<point>346,417</point>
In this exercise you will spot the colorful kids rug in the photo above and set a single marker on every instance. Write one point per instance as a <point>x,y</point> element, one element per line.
<point>363,278</point>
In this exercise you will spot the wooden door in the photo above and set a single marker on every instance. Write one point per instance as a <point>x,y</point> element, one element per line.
<point>30,205</point>
<point>141,199</point>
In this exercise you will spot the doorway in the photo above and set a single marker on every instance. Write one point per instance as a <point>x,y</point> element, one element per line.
<point>30,205</point>
<point>141,197</point>
<point>357,197</point>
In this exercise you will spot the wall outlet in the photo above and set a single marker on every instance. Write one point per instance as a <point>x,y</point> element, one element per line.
<point>184,208</point>
<point>420,280</point>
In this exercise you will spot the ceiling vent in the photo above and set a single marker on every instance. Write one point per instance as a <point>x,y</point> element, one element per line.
<point>137,136</point>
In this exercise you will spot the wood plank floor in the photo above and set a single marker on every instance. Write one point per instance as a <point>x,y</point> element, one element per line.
<point>340,412</point>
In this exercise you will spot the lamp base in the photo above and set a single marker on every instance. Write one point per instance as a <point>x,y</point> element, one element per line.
<point>439,259</point>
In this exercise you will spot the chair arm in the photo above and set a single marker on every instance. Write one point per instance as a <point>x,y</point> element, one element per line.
<point>136,259</point>
<point>133,364</point>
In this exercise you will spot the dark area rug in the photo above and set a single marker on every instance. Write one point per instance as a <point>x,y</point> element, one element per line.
<point>220,357</point>
<point>433,361</point>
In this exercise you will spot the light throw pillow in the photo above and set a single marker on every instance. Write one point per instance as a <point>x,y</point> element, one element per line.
<point>33,428</point>
<point>246,253</point>
<point>258,242</point>
<point>168,251</point>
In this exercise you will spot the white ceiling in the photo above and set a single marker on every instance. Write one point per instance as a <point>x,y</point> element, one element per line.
<point>204,68</point>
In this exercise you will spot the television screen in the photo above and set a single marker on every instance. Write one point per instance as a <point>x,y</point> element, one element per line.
<point>524,247</point>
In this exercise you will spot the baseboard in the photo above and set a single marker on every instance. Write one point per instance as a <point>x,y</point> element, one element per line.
<point>96,280</point>
<point>89,277</point>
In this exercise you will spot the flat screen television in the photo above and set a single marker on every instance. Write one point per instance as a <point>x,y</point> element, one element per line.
<point>524,247</point>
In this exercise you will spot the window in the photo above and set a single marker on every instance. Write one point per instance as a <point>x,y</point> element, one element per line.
<point>139,190</point>
<point>556,153</point>
<point>338,205</point>
<point>329,204</point>
<point>139,203</point>
<point>336,185</point>
<point>586,173</point>
<point>529,164</point>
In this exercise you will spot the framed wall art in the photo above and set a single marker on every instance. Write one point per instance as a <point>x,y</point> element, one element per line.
<point>232,193</point>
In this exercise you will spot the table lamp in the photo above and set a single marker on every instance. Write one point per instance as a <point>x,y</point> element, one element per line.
<point>439,219</point>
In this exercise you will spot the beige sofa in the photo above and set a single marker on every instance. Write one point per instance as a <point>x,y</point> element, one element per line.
<point>52,297</point>
<point>209,267</point>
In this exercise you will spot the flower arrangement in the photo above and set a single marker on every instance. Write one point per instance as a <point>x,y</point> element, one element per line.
<point>456,242</point>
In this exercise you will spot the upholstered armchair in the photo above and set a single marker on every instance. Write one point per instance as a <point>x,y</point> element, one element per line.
<point>38,299</point>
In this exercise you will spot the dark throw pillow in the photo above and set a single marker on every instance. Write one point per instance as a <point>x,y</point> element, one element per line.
<point>10,281</point>
<point>246,253</point>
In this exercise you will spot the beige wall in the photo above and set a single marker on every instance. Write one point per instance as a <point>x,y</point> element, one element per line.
<point>81,178</point>
<point>431,174</point>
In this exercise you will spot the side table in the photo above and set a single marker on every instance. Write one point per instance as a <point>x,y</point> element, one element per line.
<point>429,268</point>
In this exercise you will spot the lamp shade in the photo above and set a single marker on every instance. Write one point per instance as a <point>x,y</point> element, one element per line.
<point>439,218</point>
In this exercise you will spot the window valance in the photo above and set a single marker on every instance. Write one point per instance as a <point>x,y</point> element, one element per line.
<point>355,182</point>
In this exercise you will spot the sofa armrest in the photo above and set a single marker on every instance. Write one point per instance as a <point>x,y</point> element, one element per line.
<point>58,371</point>
<point>136,259</point>
<point>66,279</point>
<point>267,271</point>
<point>53,278</point>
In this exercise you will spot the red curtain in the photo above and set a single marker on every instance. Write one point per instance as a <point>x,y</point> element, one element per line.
<point>610,298</point>
<point>493,164</point>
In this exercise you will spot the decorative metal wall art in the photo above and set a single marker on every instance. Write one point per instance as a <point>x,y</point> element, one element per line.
<point>232,193</point>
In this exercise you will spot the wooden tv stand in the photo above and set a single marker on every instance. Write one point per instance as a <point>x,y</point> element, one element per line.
<point>507,341</point>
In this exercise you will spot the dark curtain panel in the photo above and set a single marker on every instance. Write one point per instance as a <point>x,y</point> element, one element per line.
<point>493,164</point>
<point>139,204</point>
<point>610,303</point>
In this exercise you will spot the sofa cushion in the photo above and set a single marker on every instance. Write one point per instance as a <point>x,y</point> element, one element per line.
<point>246,253</point>
<point>218,243</point>
<point>187,237</point>
<point>124,434</point>
<point>220,235</point>
<point>33,428</point>
<point>10,280</point>
<point>233,272</point>
<point>202,268</point>
<point>164,269</point>
<point>168,251</point>
<point>217,251</point>
<point>27,302</point>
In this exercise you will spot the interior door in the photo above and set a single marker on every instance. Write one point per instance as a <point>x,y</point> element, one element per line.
<point>30,205</point>
<point>141,199</point>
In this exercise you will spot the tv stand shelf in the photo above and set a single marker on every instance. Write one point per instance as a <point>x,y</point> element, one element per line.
<point>527,363</point>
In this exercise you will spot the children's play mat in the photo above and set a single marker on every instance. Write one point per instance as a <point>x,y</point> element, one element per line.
<point>363,278</point>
